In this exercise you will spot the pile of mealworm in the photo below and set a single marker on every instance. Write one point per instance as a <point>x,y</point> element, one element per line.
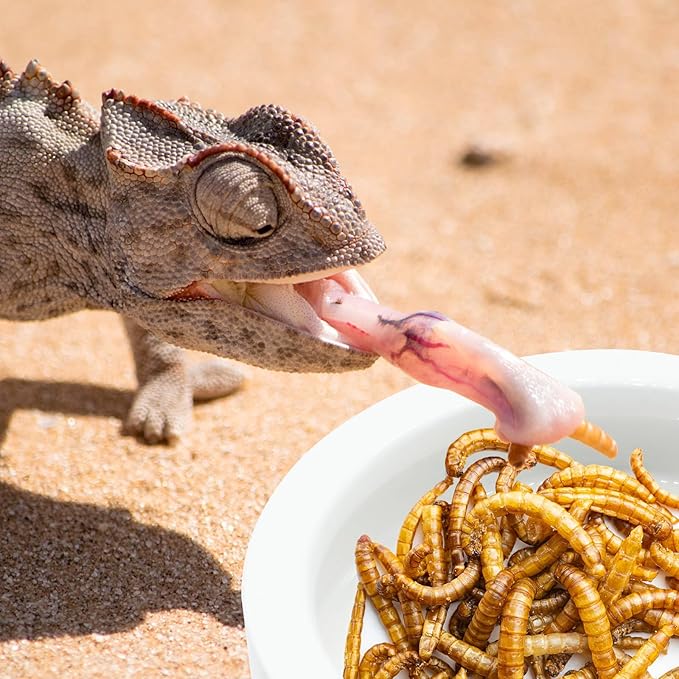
<point>596,539</point>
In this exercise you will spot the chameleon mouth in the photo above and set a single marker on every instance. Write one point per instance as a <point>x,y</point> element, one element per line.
<point>291,301</point>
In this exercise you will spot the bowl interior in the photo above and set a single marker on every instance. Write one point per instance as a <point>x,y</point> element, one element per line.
<point>367,474</point>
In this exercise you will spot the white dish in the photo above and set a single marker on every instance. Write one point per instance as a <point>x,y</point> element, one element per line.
<point>299,578</point>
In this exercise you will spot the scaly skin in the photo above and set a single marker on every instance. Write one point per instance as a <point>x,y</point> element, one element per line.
<point>142,208</point>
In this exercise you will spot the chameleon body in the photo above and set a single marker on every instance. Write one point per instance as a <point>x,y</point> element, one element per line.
<point>193,226</point>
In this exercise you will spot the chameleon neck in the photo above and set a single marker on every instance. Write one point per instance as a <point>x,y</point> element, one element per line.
<point>52,221</point>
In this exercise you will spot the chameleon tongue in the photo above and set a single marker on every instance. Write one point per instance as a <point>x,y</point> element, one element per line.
<point>530,406</point>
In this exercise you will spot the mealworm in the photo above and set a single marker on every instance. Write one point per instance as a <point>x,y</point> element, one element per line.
<point>368,574</point>
<point>469,443</point>
<point>538,621</point>
<point>459,620</point>
<point>489,609</point>
<point>443,594</point>
<point>648,652</point>
<point>645,478</point>
<point>513,627</point>
<point>414,561</point>
<point>492,558</point>
<point>352,647</point>
<point>433,536</point>
<point>412,615</point>
<point>373,658</point>
<point>671,674</point>
<point>548,644</point>
<point>666,559</point>
<point>612,541</point>
<point>585,672</point>
<point>507,536</point>
<point>613,503</point>
<point>409,526</point>
<point>621,567</point>
<point>550,604</point>
<point>595,437</point>
<point>550,551</point>
<point>460,503</point>
<point>469,657</point>
<point>527,530</point>
<point>635,603</point>
<point>539,507</point>
<point>593,616</point>
<point>521,456</point>
<point>599,476</point>
<point>401,661</point>
<point>444,669</point>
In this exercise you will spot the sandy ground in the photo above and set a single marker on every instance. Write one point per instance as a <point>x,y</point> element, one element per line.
<point>123,560</point>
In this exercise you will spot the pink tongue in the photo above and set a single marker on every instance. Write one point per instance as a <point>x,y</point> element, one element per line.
<point>530,406</point>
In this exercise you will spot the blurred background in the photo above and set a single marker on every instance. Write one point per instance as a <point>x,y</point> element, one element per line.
<point>521,160</point>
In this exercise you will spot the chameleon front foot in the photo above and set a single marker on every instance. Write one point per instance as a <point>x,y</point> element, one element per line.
<point>161,410</point>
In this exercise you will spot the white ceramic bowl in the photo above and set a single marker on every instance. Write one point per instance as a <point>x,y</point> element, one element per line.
<point>299,578</point>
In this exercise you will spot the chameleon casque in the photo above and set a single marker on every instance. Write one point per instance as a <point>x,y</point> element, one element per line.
<point>195,227</point>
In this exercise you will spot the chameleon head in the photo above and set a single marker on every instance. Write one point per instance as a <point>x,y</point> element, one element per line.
<point>217,219</point>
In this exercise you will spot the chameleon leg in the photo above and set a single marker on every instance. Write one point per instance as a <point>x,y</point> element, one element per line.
<point>161,410</point>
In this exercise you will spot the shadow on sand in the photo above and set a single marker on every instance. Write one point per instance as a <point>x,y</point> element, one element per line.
<point>68,568</point>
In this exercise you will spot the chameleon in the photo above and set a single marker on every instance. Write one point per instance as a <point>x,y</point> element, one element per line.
<point>194,227</point>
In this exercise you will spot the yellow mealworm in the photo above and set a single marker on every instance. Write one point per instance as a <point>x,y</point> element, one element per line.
<point>621,568</point>
<point>402,660</point>
<point>657,618</point>
<point>550,551</point>
<point>645,477</point>
<point>489,609</point>
<point>461,673</point>
<point>612,541</point>
<point>635,603</point>
<point>593,616</point>
<point>536,506</point>
<point>369,576</point>
<point>460,504</point>
<point>548,644</point>
<point>459,620</point>
<point>507,536</point>
<point>585,672</point>
<point>469,657</point>
<point>648,652</point>
<point>433,536</point>
<point>595,437</point>
<point>414,560</point>
<point>412,614</point>
<point>445,671</point>
<point>671,674</point>
<point>469,443</point>
<point>613,503</point>
<point>409,526</point>
<point>537,622</point>
<point>530,530</point>
<point>492,558</point>
<point>599,476</point>
<point>513,627</point>
<point>432,630</point>
<point>520,456</point>
<point>352,647</point>
<point>550,604</point>
<point>666,559</point>
<point>373,658</point>
<point>443,594</point>
<point>537,664</point>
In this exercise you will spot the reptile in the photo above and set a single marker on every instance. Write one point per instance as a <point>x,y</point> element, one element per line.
<point>196,228</point>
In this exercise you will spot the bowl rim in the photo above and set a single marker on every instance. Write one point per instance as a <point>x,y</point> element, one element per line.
<point>269,560</point>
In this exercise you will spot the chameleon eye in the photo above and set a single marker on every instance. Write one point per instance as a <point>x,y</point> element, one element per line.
<point>237,201</point>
